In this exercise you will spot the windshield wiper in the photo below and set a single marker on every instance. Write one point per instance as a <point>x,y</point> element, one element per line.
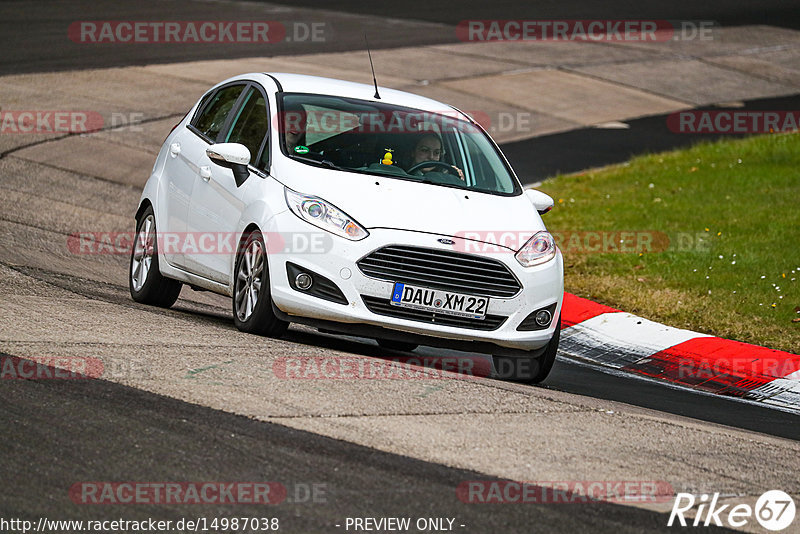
<point>320,163</point>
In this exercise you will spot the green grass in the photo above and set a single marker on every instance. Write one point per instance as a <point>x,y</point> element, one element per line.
<point>740,197</point>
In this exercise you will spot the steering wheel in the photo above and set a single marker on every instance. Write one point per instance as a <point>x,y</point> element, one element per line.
<point>445,166</point>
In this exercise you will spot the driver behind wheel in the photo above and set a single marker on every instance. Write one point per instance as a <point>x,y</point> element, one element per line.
<point>295,129</point>
<point>429,148</point>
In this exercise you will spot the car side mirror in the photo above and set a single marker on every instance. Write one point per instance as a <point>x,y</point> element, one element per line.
<point>541,201</point>
<point>232,156</point>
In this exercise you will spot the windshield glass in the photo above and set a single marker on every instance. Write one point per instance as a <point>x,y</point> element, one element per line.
<point>392,141</point>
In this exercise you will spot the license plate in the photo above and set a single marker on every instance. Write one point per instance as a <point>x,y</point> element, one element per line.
<point>435,300</point>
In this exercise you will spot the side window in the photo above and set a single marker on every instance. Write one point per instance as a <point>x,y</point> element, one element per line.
<point>250,127</point>
<point>212,117</point>
<point>490,175</point>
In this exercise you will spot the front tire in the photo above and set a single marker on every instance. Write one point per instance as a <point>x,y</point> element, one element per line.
<point>147,284</point>
<point>529,370</point>
<point>252,303</point>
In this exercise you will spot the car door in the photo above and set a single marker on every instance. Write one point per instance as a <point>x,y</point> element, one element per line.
<point>185,161</point>
<point>217,202</point>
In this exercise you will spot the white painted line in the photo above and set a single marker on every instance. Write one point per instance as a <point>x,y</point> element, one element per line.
<point>779,392</point>
<point>619,339</point>
<point>793,376</point>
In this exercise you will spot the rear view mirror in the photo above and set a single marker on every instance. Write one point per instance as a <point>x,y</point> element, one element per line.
<point>541,201</point>
<point>233,156</point>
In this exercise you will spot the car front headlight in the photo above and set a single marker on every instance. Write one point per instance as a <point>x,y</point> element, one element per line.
<point>324,215</point>
<point>540,248</point>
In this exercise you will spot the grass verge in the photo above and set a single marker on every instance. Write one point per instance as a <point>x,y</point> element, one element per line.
<point>714,242</point>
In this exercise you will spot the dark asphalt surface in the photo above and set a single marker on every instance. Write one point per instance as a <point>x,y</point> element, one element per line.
<point>783,13</point>
<point>573,378</point>
<point>38,33</point>
<point>576,150</point>
<point>61,432</point>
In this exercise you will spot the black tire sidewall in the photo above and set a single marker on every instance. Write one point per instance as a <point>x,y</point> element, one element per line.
<point>549,357</point>
<point>156,289</point>
<point>544,362</point>
<point>263,320</point>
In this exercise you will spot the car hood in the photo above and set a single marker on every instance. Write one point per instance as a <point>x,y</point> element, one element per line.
<point>384,202</point>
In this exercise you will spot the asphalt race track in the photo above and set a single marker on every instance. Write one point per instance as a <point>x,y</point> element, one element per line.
<point>157,438</point>
<point>189,398</point>
<point>35,29</point>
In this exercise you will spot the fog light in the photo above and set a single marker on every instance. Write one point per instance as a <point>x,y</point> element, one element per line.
<point>303,281</point>
<point>540,319</point>
<point>543,317</point>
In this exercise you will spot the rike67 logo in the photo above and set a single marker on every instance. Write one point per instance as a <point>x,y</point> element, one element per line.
<point>774,510</point>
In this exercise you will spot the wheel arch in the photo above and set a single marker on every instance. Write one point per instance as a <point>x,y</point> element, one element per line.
<point>249,228</point>
<point>235,257</point>
<point>143,205</point>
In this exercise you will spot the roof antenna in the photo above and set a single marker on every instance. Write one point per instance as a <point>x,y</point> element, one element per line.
<point>377,96</point>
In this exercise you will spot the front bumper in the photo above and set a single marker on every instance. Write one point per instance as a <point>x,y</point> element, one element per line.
<point>335,258</point>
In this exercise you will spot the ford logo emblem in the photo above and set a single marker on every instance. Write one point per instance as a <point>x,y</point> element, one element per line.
<point>446,241</point>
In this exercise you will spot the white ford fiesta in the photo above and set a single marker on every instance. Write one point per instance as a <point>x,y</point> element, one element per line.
<point>375,213</point>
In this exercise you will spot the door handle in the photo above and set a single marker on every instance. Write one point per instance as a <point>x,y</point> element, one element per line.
<point>205,173</point>
<point>175,149</point>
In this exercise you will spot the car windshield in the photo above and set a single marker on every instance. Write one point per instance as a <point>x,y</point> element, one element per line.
<point>392,141</point>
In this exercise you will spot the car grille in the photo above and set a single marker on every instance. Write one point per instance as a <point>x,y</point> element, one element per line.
<point>384,307</point>
<point>441,269</point>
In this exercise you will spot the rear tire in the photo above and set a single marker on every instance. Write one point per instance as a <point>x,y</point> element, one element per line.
<point>147,284</point>
<point>252,302</point>
<point>390,344</point>
<point>529,370</point>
